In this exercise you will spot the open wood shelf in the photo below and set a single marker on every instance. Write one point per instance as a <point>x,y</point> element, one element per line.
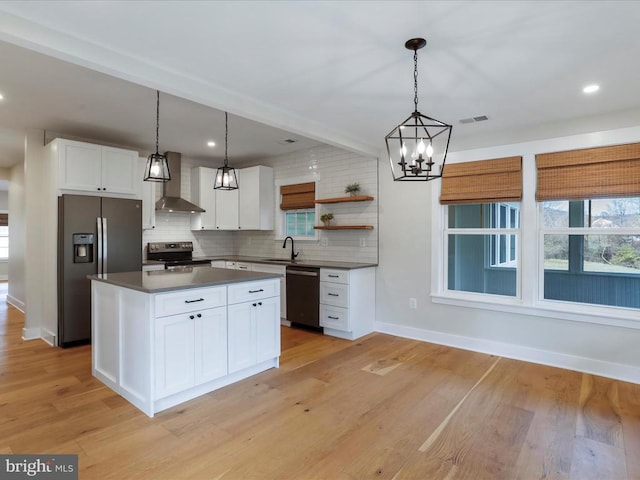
<point>343,227</point>
<point>360,198</point>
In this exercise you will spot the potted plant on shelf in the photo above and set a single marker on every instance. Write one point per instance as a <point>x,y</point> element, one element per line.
<point>326,218</point>
<point>352,189</point>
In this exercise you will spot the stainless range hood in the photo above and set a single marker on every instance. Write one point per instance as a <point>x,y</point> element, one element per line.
<point>171,201</point>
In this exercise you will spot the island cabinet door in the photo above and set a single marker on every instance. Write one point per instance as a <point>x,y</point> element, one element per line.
<point>175,354</point>
<point>242,336</point>
<point>268,329</point>
<point>210,344</point>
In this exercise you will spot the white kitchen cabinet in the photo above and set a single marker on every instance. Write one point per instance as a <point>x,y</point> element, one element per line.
<point>254,323</point>
<point>347,302</point>
<point>96,169</point>
<point>282,270</point>
<point>191,349</point>
<point>256,197</point>
<point>203,195</point>
<point>227,208</point>
<point>148,194</point>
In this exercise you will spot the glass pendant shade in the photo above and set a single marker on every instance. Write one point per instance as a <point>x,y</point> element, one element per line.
<point>226,178</point>
<point>417,147</point>
<point>157,169</point>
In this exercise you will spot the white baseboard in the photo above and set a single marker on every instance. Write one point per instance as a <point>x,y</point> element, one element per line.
<point>31,333</point>
<point>48,336</point>
<point>16,303</point>
<point>593,366</point>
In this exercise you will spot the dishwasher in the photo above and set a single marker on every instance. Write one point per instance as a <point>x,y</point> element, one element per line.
<point>303,296</point>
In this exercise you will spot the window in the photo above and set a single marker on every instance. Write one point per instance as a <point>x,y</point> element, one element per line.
<point>297,216</point>
<point>481,248</point>
<point>300,223</point>
<point>4,236</point>
<point>592,251</point>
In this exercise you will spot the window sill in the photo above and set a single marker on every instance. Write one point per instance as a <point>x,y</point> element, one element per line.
<point>584,313</point>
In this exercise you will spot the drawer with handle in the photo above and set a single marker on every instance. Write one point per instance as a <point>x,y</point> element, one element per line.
<point>248,291</point>
<point>334,276</point>
<point>189,300</point>
<point>334,317</point>
<point>334,294</point>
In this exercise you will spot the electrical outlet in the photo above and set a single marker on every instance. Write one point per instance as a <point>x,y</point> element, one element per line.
<point>363,242</point>
<point>413,303</point>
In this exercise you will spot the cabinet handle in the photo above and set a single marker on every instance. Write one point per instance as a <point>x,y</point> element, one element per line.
<point>194,301</point>
<point>199,315</point>
<point>259,303</point>
<point>256,291</point>
<point>333,318</point>
<point>333,294</point>
<point>333,276</point>
<point>254,304</point>
<point>191,317</point>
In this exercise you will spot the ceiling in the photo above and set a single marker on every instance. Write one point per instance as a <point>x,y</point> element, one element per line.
<point>334,72</point>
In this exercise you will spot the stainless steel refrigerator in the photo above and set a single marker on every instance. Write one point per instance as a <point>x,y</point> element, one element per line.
<point>95,235</point>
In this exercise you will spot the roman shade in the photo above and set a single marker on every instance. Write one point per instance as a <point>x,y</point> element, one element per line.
<point>297,196</point>
<point>484,181</point>
<point>4,219</point>
<point>602,172</point>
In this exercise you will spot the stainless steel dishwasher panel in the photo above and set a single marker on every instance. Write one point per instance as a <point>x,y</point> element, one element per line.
<point>303,296</point>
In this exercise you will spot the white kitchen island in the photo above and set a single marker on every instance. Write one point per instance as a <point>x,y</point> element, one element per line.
<point>160,338</point>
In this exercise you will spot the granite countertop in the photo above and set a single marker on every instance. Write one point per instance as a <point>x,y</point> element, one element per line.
<point>168,280</point>
<point>286,262</point>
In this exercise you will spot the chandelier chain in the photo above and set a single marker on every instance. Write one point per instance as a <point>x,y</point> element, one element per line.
<point>226,137</point>
<point>157,118</point>
<point>415,79</point>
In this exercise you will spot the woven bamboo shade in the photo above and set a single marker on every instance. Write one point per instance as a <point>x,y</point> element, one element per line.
<point>485,181</point>
<point>4,219</point>
<point>297,196</point>
<point>602,172</point>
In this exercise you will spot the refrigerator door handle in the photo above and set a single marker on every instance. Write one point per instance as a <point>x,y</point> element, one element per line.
<point>99,259</point>
<point>104,244</point>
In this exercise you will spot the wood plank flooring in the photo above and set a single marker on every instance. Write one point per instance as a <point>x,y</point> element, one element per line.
<point>378,408</point>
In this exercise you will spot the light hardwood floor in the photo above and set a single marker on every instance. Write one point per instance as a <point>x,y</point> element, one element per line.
<point>382,407</point>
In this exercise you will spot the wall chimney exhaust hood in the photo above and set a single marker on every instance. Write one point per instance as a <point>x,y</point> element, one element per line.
<point>171,201</point>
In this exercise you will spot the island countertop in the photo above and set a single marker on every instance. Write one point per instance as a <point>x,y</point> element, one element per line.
<point>168,280</point>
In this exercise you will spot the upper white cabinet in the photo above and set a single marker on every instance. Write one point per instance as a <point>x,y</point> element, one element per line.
<point>94,168</point>
<point>248,208</point>
<point>256,198</point>
<point>227,207</point>
<point>203,195</point>
<point>148,193</point>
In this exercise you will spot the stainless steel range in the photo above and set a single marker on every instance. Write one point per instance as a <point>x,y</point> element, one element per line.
<point>175,255</point>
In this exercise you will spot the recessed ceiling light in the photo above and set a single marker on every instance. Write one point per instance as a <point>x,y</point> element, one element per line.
<point>211,143</point>
<point>591,88</point>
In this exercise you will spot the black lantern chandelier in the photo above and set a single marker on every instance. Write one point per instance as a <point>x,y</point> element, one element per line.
<point>157,169</point>
<point>418,147</point>
<point>226,178</point>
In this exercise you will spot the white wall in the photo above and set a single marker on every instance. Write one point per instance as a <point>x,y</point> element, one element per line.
<point>333,168</point>
<point>17,237</point>
<point>405,268</point>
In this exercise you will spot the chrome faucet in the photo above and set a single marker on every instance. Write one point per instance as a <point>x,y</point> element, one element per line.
<point>284,245</point>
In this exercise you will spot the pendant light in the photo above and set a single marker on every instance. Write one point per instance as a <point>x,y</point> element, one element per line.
<point>226,178</point>
<point>418,146</point>
<point>157,169</point>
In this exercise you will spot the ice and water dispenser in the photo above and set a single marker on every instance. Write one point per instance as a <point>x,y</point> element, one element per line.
<point>83,247</point>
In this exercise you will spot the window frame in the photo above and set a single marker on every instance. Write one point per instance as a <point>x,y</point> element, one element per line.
<point>280,215</point>
<point>531,274</point>
<point>487,231</point>
<point>5,259</point>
